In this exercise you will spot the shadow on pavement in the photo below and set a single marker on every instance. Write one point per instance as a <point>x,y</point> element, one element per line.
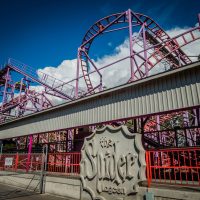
<point>17,193</point>
<point>9,192</point>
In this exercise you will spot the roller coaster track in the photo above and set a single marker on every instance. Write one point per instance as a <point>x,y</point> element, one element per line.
<point>155,35</point>
<point>64,90</point>
<point>170,46</point>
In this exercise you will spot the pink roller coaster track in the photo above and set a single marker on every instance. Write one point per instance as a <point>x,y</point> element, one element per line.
<point>156,43</point>
<point>156,46</point>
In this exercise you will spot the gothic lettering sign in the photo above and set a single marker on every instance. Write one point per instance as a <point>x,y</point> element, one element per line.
<point>112,164</point>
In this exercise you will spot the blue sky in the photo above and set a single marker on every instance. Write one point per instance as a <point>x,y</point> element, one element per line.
<point>46,32</point>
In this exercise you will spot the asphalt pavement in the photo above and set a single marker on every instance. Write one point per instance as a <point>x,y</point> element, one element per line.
<point>8,192</point>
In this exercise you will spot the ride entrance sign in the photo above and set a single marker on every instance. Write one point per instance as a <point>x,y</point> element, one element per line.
<point>112,164</point>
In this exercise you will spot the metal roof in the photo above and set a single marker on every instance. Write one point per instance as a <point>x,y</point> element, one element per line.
<point>172,90</point>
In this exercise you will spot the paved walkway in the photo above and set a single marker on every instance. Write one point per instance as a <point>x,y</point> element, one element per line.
<point>8,192</point>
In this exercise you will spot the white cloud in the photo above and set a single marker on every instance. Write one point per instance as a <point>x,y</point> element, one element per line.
<point>66,71</point>
<point>119,73</point>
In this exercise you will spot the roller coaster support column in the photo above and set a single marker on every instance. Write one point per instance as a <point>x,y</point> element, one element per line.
<point>77,74</point>
<point>1,148</point>
<point>129,16</point>
<point>145,51</point>
<point>29,153</point>
<point>186,122</point>
<point>158,128</point>
<point>5,88</point>
<point>20,92</point>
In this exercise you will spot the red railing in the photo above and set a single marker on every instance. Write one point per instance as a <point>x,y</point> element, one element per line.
<point>19,162</point>
<point>171,166</point>
<point>174,166</point>
<point>34,164</point>
<point>65,163</point>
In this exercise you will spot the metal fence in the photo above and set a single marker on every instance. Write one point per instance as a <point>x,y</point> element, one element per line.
<point>66,163</point>
<point>174,166</point>
<point>21,162</point>
<point>170,166</point>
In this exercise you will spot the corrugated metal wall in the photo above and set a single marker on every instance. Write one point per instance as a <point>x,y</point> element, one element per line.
<point>170,91</point>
